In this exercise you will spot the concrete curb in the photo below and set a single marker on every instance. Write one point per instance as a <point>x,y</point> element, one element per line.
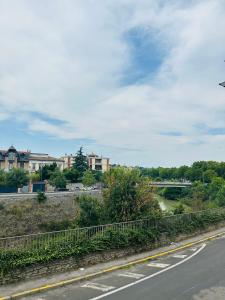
<point>92,275</point>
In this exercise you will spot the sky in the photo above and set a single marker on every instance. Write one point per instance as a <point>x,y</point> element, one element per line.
<point>136,81</point>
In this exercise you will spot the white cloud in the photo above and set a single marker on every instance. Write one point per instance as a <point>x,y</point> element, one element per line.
<point>66,60</point>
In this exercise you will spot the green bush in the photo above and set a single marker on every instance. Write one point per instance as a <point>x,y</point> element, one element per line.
<point>41,197</point>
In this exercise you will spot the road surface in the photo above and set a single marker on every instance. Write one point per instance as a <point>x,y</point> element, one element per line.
<point>195,273</point>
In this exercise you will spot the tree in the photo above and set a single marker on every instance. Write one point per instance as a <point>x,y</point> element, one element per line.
<point>58,180</point>
<point>128,196</point>
<point>220,197</point>
<point>208,175</point>
<point>2,178</point>
<point>80,164</point>
<point>91,211</point>
<point>17,178</point>
<point>172,193</point>
<point>71,175</point>
<point>88,178</point>
<point>46,171</point>
<point>34,177</point>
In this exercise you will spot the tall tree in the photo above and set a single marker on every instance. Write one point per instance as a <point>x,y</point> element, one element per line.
<point>80,164</point>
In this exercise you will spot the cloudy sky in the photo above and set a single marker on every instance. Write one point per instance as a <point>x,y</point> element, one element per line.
<point>133,80</point>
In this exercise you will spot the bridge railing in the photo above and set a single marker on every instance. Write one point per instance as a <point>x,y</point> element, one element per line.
<point>63,238</point>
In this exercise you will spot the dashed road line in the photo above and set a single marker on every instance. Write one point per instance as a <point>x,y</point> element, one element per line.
<point>131,275</point>
<point>179,255</point>
<point>148,277</point>
<point>158,265</point>
<point>98,286</point>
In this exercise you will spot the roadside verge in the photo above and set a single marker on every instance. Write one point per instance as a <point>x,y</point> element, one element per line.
<point>36,286</point>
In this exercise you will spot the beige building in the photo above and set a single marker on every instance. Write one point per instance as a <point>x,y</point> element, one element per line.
<point>95,162</point>
<point>38,160</point>
<point>12,158</point>
<point>68,160</point>
<point>98,163</point>
<point>26,160</point>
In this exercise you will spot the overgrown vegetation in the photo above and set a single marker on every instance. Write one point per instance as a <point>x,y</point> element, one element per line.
<point>208,183</point>
<point>126,197</point>
<point>112,239</point>
<point>14,178</point>
<point>41,197</point>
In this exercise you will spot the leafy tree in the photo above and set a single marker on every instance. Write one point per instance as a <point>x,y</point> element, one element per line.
<point>98,175</point>
<point>58,180</point>
<point>2,178</point>
<point>16,178</point>
<point>46,171</point>
<point>88,178</point>
<point>214,187</point>
<point>220,197</point>
<point>208,175</point>
<point>90,211</point>
<point>80,164</point>
<point>34,177</point>
<point>172,193</point>
<point>71,175</point>
<point>128,196</point>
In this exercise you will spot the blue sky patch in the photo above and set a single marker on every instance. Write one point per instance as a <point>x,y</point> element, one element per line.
<point>146,55</point>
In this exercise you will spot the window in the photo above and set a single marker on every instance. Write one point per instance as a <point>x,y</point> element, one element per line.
<point>22,165</point>
<point>98,161</point>
<point>10,166</point>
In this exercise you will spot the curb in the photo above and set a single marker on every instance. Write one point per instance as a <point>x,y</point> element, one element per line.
<point>93,275</point>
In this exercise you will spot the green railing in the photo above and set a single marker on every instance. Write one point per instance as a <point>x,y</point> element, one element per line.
<point>163,225</point>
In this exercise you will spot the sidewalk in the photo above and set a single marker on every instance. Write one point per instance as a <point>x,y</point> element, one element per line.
<point>12,289</point>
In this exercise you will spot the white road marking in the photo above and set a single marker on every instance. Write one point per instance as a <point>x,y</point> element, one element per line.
<point>148,277</point>
<point>98,286</point>
<point>179,255</point>
<point>193,249</point>
<point>131,275</point>
<point>158,265</point>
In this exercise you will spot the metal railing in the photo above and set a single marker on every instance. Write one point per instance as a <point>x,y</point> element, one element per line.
<point>63,238</point>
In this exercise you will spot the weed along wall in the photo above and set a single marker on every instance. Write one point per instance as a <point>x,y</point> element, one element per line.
<point>38,255</point>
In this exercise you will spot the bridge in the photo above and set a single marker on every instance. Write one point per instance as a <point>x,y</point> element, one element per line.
<point>170,184</point>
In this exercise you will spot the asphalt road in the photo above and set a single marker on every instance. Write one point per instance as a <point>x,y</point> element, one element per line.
<point>196,273</point>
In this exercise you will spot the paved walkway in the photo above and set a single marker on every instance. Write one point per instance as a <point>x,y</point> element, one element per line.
<point>35,283</point>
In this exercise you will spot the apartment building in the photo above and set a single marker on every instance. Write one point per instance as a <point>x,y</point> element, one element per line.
<point>95,162</point>
<point>98,163</point>
<point>26,160</point>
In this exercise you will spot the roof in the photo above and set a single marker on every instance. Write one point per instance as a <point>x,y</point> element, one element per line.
<point>44,158</point>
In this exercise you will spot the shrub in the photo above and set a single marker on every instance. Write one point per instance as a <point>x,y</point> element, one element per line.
<point>41,197</point>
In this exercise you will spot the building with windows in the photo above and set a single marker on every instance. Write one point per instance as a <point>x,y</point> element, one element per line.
<point>98,163</point>
<point>26,160</point>
<point>38,160</point>
<point>69,160</point>
<point>95,162</point>
<point>12,158</point>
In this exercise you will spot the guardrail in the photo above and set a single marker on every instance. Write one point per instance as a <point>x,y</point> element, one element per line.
<point>36,241</point>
